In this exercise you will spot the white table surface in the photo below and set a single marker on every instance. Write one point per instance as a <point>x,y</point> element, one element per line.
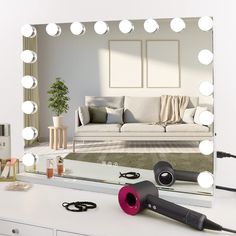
<point>42,206</point>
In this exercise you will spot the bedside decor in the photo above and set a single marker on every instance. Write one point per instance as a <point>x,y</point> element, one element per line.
<point>57,137</point>
<point>58,101</point>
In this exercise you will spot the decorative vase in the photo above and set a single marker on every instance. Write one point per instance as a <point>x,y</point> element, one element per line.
<point>58,121</point>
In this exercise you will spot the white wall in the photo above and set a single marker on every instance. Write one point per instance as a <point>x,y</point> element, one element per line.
<point>83,63</point>
<point>14,13</point>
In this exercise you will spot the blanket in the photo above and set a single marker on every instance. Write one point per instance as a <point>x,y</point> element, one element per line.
<point>172,109</point>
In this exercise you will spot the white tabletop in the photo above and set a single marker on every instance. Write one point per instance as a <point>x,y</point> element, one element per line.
<point>42,206</point>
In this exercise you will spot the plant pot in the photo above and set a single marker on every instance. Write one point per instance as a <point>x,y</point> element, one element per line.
<point>58,121</point>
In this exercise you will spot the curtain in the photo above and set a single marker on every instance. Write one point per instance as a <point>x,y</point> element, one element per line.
<point>31,94</point>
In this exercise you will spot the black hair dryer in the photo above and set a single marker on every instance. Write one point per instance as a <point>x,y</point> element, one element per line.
<point>166,175</point>
<point>134,198</point>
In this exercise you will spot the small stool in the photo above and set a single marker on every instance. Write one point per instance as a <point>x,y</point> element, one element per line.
<point>57,137</point>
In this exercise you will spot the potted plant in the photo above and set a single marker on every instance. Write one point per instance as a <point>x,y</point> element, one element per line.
<point>58,101</point>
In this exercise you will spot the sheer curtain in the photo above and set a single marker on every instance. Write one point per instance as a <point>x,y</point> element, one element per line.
<point>31,94</point>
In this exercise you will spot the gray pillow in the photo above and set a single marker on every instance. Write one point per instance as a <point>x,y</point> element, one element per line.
<point>84,115</point>
<point>98,114</point>
<point>114,116</point>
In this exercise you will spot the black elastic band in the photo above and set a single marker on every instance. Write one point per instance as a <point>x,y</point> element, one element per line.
<point>129,175</point>
<point>79,206</point>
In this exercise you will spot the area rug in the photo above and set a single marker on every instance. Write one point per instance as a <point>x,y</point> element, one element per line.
<point>181,161</point>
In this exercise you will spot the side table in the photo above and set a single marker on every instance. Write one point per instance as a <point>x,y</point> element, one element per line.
<point>57,137</point>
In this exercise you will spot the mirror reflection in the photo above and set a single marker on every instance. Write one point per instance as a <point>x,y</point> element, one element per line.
<point>121,108</point>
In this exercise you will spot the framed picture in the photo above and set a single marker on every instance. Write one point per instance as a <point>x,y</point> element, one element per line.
<point>125,64</point>
<point>163,63</point>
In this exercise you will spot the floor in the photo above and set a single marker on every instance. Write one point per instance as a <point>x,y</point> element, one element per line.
<point>119,146</point>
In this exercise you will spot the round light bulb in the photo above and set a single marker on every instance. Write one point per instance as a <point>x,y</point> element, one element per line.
<point>29,82</point>
<point>206,88</point>
<point>28,31</point>
<point>28,56</point>
<point>101,27</point>
<point>53,29</point>
<point>29,107</point>
<point>206,147</point>
<point>150,25</point>
<point>205,179</point>
<point>29,159</point>
<point>177,24</point>
<point>29,133</point>
<point>205,57</point>
<point>205,23</point>
<point>206,118</point>
<point>126,26</point>
<point>77,28</point>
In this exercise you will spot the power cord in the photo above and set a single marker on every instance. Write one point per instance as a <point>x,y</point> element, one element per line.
<point>220,154</point>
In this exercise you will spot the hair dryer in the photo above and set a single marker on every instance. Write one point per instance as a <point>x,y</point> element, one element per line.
<point>134,198</point>
<point>165,175</point>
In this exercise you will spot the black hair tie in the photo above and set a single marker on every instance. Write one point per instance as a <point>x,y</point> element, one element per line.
<point>78,206</point>
<point>130,175</point>
<point>88,205</point>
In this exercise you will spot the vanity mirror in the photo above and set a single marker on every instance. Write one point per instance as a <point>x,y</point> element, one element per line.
<point>138,92</point>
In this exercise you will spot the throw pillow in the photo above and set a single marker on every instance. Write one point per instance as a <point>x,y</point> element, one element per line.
<point>199,110</point>
<point>114,116</point>
<point>84,115</point>
<point>98,114</point>
<point>188,115</point>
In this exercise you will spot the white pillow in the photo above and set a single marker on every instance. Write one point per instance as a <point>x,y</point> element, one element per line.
<point>188,115</point>
<point>84,115</point>
<point>199,110</point>
<point>114,116</point>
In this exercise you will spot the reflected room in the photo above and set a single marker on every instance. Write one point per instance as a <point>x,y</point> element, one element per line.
<point>120,102</point>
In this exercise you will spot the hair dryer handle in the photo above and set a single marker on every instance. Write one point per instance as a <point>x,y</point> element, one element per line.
<point>176,212</point>
<point>186,175</point>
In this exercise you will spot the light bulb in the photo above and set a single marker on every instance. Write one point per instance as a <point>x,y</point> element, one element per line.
<point>29,133</point>
<point>206,147</point>
<point>205,179</point>
<point>206,118</point>
<point>206,88</point>
<point>53,30</point>
<point>205,23</point>
<point>177,25</point>
<point>29,107</point>
<point>29,82</point>
<point>29,159</point>
<point>77,28</point>
<point>28,56</point>
<point>101,27</point>
<point>205,57</point>
<point>126,26</point>
<point>28,31</point>
<point>150,25</point>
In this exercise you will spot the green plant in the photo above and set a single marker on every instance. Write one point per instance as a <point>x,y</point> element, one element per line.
<point>58,100</point>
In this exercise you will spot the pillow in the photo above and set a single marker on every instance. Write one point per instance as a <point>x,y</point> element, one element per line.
<point>199,110</point>
<point>188,115</point>
<point>84,115</point>
<point>114,116</point>
<point>98,114</point>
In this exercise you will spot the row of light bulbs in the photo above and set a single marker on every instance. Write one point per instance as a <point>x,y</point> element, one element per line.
<point>205,56</point>
<point>205,23</point>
